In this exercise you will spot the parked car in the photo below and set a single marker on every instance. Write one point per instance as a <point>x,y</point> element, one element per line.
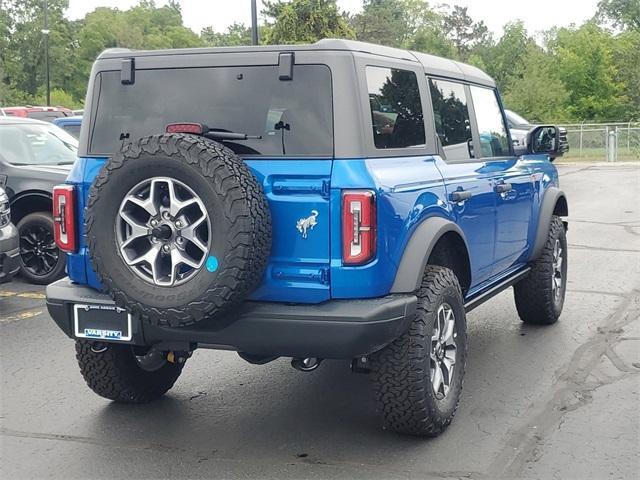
<point>39,113</point>
<point>519,127</point>
<point>334,200</point>
<point>70,124</point>
<point>9,249</point>
<point>35,156</point>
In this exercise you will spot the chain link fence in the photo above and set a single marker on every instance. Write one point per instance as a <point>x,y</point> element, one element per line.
<point>612,142</point>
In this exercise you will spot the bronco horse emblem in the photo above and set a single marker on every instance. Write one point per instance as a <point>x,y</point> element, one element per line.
<point>306,224</point>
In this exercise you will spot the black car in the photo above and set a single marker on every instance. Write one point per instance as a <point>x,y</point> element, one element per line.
<point>35,156</point>
<point>9,251</point>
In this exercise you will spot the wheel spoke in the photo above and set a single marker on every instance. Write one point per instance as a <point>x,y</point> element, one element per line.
<point>437,381</point>
<point>176,205</point>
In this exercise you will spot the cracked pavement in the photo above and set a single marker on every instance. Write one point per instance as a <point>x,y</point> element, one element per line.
<point>539,402</point>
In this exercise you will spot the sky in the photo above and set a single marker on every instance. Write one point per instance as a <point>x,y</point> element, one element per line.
<point>537,15</point>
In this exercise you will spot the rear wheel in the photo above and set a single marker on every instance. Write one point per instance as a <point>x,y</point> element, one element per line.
<point>124,374</point>
<point>40,260</point>
<point>418,378</point>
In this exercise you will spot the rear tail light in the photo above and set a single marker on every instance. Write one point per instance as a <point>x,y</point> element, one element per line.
<point>64,218</point>
<point>358,226</point>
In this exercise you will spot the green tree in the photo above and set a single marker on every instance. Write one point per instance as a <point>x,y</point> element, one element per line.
<point>237,34</point>
<point>538,94</point>
<point>305,21</point>
<point>467,35</point>
<point>504,61</point>
<point>626,56</point>
<point>621,13</point>
<point>584,59</point>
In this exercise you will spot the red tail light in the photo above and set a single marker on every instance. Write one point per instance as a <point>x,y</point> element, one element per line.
<point>358,226</point>
<point>195,128</point>
<point>64,218</point>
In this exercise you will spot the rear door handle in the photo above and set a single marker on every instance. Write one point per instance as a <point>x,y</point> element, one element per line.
<point>460,196</point>
<point>503,187</point>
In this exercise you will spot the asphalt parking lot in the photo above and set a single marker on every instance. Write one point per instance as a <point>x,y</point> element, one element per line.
<point>538,402</point>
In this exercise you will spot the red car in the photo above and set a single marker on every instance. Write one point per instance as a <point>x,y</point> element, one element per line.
<point>47,114</point>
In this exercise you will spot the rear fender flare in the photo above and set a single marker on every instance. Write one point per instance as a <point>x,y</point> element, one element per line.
<point>418,250</point>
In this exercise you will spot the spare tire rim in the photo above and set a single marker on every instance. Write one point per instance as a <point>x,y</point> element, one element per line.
<point>163,231</point>
<point>443,351</point>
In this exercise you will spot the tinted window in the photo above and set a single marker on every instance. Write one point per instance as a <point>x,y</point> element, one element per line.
<point>73,130</point>
<point>451,116</point>
<point>396,109</point>
<point>292,117</point>
<point>28,144</point>
<point>493,134</point>
<point>45,116</point>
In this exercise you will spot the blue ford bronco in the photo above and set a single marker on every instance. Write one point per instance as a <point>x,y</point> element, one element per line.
<point>336,200</point>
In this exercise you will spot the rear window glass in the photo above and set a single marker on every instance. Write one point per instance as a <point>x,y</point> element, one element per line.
<point>45,116</point>
<point>292,117</point>
<point>72,130</point>
<point>396,109</point>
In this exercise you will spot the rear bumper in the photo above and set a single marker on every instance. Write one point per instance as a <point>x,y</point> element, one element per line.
<point>9,252</point>
<point>333,329</point>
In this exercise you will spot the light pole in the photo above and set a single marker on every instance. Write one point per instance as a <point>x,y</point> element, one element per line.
<point>45,32</point>
<point>254,23</point>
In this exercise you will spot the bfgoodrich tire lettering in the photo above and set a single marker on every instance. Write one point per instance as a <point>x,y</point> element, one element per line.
<point>539,297</point>
<point>402,373</point>
<point>240,227</point>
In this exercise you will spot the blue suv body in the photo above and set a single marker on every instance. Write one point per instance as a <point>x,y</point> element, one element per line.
<point>377,166</point>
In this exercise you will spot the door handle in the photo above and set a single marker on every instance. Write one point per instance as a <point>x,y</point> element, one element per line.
<point>460,196</point>
<point>503,187</point>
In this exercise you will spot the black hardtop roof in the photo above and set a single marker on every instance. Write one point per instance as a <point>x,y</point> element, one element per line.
<point>432,64</point>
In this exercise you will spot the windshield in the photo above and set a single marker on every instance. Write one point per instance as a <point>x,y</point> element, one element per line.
<point>291,117</point>
<point>515,119</point>
<point>35,144</point>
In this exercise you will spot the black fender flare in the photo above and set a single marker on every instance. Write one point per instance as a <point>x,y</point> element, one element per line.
<point>419,249</point>
<point>551,198</point>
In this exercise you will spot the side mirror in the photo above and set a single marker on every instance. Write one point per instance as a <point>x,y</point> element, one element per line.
<point>547,139</point>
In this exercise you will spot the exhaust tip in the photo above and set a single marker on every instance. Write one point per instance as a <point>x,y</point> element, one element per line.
<point>305,364</point>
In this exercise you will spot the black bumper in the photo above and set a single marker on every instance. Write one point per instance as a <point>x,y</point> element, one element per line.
<point>9,252</point>
<point>333,329</point>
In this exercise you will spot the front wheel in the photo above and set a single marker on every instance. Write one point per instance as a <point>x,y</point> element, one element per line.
<point>540,296</point>
<point>418,377</point>
<point>124,374</point>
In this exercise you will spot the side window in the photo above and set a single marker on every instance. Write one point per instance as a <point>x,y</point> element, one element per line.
<point>396,109</point>
<point>494,141</point>
<point>451,115</point>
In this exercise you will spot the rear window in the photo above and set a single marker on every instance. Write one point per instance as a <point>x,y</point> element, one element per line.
<point>73,130</point>
<point>292,117</point>
<point>45,116</point>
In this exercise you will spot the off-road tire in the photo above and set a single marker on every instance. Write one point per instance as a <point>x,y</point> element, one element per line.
<point>235,202</point>
<point>43,220</point>
<point>401,371</point>
<point>113,372</point>
<point>535,301</point>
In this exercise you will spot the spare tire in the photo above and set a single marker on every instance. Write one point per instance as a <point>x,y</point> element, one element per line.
<point>178,229</point>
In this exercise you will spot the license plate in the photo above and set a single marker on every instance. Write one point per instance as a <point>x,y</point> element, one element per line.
<point>102,322</point>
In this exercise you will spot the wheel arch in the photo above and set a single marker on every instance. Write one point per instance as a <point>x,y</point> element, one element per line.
<point>553,203</point>
<point>436,241</point>
<point>30,202</point>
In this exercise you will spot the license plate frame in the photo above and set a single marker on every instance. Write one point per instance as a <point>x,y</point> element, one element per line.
<point>102,322</point>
